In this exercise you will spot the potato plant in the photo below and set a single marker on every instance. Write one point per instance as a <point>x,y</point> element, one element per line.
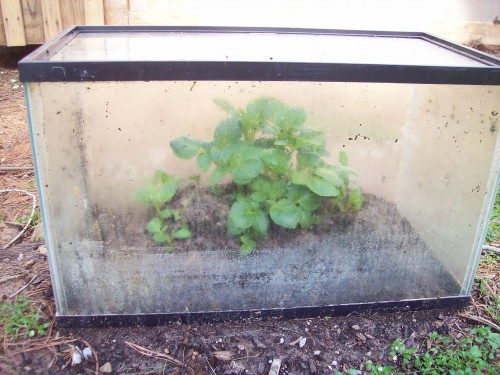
<point>168,224</point>
<point>278,168</point>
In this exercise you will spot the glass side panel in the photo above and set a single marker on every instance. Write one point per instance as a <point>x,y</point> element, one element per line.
<point>176,46</point>
<point>423,157</point>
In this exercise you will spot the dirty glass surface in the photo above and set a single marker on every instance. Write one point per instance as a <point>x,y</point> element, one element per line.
<point>423,156</point>
<point>177,46</point>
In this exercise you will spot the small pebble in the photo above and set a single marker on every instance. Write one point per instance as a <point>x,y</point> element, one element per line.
<point>87,353</point>
<point>76,358</point>
<point>302,342</point>
<point>334,363</point>
<point>317,352</point>
<point>282,340</point>
<point>355,327</point>
<point>106,368</point>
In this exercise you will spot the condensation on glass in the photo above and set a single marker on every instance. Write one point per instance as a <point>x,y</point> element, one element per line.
<point>425,155</point>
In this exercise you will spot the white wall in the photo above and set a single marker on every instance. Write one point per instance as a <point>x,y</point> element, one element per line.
<point>457,20</point>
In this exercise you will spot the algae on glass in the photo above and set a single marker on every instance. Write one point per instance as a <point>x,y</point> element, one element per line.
<point>272,166</point>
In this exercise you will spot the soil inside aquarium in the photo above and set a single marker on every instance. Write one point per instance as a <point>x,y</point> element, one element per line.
<point>371,254</point>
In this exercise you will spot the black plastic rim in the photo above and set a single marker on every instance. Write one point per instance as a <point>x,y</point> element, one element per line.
<point>36,68</point>
<point>73,321</point>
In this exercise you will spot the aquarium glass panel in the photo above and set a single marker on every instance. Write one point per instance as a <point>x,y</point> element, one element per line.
<point>191,196</point>
<point>258,47</point>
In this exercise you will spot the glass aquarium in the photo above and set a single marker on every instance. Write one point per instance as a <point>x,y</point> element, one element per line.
<point>217,173</point>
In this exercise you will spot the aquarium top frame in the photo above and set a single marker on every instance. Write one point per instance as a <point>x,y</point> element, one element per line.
<point>37,67</point>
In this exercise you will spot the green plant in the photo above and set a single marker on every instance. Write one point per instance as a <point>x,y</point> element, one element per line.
<point>476,354</point>
<point>168,224</point>
<point>20,317</point>
<point>277,166</point>
<point>485,290</point>
<point>493,231</point>
<point>37,218</point>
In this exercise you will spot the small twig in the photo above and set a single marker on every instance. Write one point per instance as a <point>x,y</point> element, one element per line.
<point>15,169</point>
<point>247,357</point>
<point>7,278</point>
<point>492,249</point>
<point>17,225</point>
<point>480,320</point>
<point>211,368</point>
<point>150,353</point>
<point>30,218</point>
<point>62,341</point>
<point>24,287</point>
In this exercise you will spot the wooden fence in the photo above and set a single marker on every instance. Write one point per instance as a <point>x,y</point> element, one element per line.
<point>35,21</point>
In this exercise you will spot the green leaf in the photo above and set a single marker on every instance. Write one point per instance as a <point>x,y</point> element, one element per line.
<point>161,237</point>
<point>292,118</point>
<point>264,143</point>
<point>277,161</point>
<point>299,178</point>
<point>247,245</point>
<point>245,165</point>
<point>355,198</point>
<point>310,139</point>
<point>246,171</point>
<point>243,213</point>
<point>475,352</point>
<point>308,159</point>
<point>343,159</point>
<point>217,175</point>
<point>266,188</point>
<point>266,108</point>
<point>329,175</point>
<point>276,189</point>
<point>259,196</point>
<point>322,187</point>
<point>302,196</point>
<point>182,234</point>
<point>203,161</point>
<point>225,106</point>
<point>185,147</point>
<point>160,191</point>
<point>260,223</point>
<point>154,226</point>
<point>285,213</point>
<point>228,132</point>
<point>166,214</point>
<point>222,157</point>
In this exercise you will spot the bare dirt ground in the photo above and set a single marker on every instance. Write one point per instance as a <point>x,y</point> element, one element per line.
<point>244,347</point>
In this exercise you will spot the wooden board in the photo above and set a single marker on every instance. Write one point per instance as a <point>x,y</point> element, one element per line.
<point>3,40</point>
<point>116,12</point>
<point>52,22</point>
<point>12,15</point>
<point>72,12</point>
<point>94,12</point>
<point>33,21</point>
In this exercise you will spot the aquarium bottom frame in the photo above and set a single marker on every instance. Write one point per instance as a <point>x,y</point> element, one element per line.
<point>123,320</point>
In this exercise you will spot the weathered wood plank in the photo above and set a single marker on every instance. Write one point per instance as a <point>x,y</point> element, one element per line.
<point>52,23</point>
<point>3,40</point>
<point>12,14</point>
<point>33,21</point>
<point>94,12</point>
<point>116,12</point>
<point>72,12</point>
